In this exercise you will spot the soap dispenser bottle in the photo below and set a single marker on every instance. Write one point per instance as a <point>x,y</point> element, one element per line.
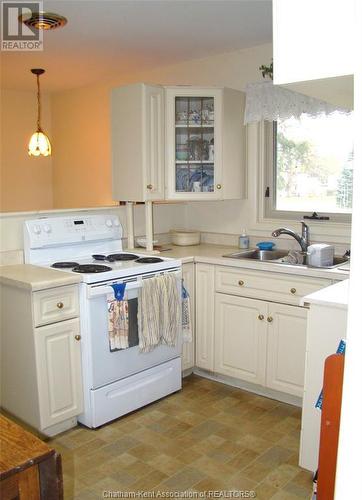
<point>243,240</point>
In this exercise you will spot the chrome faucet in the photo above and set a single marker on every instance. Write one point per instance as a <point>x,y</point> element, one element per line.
<point>302,240</point>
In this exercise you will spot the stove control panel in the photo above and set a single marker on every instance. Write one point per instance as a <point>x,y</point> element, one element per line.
<point>51,231</point>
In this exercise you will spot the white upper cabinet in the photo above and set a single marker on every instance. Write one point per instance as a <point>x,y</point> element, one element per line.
<point>313,48</point>
<point>181,142</point>
<point>137,122</point>
<point>313,39</point>
<point>204,143</point>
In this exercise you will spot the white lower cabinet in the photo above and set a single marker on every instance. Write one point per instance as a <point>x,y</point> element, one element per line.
<point>240,338</point>
<point>287,331</point>
<point>205,286</point>
<point>260,342</point>
<point>188,349</point>
<point>327,325</point>
<point>58,357</point>
<point>41,365</point>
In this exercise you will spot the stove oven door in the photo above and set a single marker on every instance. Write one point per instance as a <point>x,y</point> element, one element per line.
<point>104,365</point>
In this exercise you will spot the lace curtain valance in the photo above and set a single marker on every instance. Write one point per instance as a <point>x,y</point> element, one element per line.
<point>266,101</point>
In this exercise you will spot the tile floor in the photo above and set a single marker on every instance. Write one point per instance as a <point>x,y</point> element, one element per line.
<point>207,437</point>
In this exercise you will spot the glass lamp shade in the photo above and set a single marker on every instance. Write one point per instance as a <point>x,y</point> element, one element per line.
<point>39,144</point>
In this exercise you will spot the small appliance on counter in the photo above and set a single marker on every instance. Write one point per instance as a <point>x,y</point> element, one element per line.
<point>320,255</point>
<point>185,237</point>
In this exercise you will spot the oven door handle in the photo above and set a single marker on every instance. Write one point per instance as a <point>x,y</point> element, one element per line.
<point>97,291</point>
<point>93,292</point>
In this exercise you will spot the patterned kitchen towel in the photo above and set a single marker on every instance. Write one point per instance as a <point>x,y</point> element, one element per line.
<point>186,316</point>
<point>118,324</point>
<point>170,299</point>
<point>148,315</point>
<point>159,312</point>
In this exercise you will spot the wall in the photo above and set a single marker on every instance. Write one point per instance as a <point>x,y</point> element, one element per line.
<point>81,143</point>
<point>81,125</point>
<point>81,120</point>
<point>81,148</point>
<point>30,178</point>
<point>11,226</point>
<point>322,54</point>
<point>87,110</point>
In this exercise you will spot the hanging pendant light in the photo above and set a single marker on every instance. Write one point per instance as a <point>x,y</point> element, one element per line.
<point>39,144</point>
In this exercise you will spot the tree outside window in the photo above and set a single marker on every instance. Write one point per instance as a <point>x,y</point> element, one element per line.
<point>314,164</point>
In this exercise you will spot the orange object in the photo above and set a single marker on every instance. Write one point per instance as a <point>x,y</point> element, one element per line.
<point>331,412</point>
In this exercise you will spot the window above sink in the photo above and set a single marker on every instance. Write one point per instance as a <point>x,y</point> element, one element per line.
<point>309,167</point>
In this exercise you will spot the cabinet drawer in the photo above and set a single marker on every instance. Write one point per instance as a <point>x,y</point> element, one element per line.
<point>266,285</point>
<point>55,304</point>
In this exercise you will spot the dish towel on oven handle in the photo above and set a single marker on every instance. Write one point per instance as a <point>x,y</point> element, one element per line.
<point>186,315</point>
<point>117,318</point>
<point>159,312</point>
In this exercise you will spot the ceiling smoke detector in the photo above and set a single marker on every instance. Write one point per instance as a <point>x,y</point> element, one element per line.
<point>43,20</point>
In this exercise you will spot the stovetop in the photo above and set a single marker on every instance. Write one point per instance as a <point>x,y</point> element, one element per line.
<point>91,268</point>
<point>115,257</point>
<point>89,245</point>
<point>94,270</point>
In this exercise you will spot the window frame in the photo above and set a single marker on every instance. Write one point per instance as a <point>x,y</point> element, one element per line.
<point>270,211</point>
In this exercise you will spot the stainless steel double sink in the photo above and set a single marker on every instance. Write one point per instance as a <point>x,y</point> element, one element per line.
<point>275,256</point>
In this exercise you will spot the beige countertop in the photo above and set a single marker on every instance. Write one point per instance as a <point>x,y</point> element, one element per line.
<point>39,278</point>
<point>35,278</point>
<point>213,254</point>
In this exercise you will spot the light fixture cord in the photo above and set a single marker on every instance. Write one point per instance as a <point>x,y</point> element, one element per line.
<point>38,97</point>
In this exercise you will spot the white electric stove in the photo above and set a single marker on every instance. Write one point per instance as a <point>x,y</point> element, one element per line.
<point>114,382</point>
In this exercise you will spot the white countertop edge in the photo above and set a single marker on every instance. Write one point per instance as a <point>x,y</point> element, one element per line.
<point>213,254</point>
<point>335,296</point>
<point>276,268</point>
<point>336,274</point>
<point>35,278</point>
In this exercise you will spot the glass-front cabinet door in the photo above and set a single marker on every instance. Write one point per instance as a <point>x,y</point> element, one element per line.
<point>193,143</point>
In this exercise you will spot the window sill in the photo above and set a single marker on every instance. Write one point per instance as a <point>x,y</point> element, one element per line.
<point>321,231</point>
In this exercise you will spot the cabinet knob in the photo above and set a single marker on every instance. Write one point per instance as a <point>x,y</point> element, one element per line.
<point>77,337</point>
<point>60,305</point>
<point>149,186</point>
<point>241,283</point>
<point>269,319</point>
<point>261,317</point>
<point>218,186</point>
<point>293,290</point>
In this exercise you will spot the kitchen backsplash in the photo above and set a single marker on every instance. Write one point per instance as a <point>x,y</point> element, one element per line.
<point>11,257</point>
<point>166,217</point>
<point>283,243</point>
